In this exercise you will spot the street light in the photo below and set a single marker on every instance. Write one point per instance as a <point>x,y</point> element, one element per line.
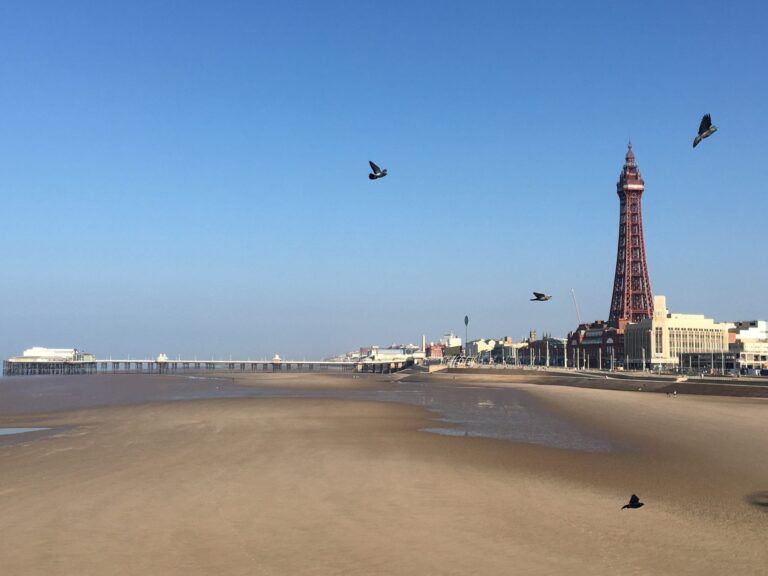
<point>466,342</point>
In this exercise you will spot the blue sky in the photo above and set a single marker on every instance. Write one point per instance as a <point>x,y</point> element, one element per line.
<point>191,177</point>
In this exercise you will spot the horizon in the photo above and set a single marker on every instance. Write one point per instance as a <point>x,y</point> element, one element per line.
<point>191,179</point>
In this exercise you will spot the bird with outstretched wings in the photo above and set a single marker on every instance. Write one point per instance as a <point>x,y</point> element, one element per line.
<point>634,502</point>
<point>376,172</point>
<point>540,297</point>
<point>706,129</point>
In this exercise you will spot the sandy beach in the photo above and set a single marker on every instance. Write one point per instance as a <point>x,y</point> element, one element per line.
<point>334,486</point>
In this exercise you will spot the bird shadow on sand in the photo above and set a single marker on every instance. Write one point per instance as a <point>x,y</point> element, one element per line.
<point>759,499</point>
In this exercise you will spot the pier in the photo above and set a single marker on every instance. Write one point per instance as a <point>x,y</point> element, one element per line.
<point>22,367</point>
<point>64,368</point>
<point>173,366</point>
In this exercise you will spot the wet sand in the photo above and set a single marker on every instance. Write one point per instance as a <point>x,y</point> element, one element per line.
<point>332,486</point>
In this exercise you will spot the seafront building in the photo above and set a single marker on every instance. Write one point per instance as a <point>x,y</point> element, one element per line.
<point>662,341</point>
<point>480,347</point>
<point>546,351</point>
<point>512,352</point>
<point>387,354</point>
<point>595,345</point>
<point>748,342</point>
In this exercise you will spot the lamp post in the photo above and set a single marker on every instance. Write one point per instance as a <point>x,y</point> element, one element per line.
<point>722,363</point>
<point>600,357</point>
<point>466,342</point>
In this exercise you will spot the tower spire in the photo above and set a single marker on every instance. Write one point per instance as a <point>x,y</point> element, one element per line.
<point>629,159</point>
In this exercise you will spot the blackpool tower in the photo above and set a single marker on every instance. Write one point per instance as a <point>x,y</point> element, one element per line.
<point>632,299</point>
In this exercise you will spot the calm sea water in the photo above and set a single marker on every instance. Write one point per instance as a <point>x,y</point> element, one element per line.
<point>459,410</point>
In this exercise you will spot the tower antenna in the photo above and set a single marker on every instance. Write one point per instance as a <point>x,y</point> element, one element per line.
<point>576,305</point>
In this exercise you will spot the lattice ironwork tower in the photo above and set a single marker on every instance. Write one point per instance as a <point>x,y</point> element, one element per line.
<point>632,299</point>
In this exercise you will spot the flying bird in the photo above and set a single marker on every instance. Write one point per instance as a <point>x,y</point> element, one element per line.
<point>376,172</point>
<point>540,297</point>
<point>706,129</point>
<point>634,502</point>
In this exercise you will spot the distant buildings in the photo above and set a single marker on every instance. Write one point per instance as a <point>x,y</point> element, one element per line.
<point>547,351</point>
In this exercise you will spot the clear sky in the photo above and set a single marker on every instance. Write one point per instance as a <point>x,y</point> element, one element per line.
<point>191,177</point>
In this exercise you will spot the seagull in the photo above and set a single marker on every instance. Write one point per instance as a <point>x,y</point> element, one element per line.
<point>376,171</point>
<point>706,128</point>
<point>634,502</point>
<point>540,297</point>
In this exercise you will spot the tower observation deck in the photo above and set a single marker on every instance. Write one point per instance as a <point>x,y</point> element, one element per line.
<point>632,299</point>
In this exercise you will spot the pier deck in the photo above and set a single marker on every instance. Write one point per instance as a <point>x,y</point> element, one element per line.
<point>14,367</point>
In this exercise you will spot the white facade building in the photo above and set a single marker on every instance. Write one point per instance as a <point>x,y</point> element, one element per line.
<point>659,341</point>
<point>477,347</point>
<point>386,355</point>
<point>750,344</point>
<point>751,330</point>
<point>450,340</point>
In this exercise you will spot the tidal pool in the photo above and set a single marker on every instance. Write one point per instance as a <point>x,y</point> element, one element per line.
<point>9,431</point>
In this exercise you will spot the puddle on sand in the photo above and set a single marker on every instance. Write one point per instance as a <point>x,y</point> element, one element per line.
<point>10,436</point>
<point>507,414</point>
<point>9,431</point>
